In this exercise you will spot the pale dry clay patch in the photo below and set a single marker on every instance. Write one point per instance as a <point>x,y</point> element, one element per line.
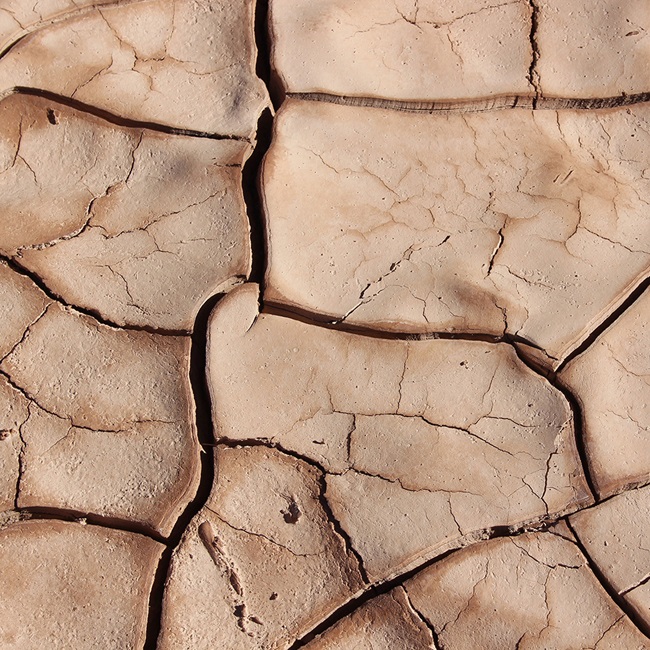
<point>526,223</point>
<point>531,592</point>
<point>18,18</point>
<point>102,417</point>
<point>616,535</point>
<point>54,578</point>
<point>262,560</point>
<point>153,61</point>
<point>611,381</point>
<point>408,449</point>
<point>138,226</point>
<point>434,51</point>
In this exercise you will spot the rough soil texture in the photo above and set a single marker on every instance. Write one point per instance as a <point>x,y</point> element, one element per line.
<point>325,325</point>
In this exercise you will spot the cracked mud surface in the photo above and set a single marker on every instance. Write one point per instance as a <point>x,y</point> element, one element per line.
<point>324,325</point>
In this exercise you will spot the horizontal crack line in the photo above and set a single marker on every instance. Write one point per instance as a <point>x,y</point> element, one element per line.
<point>113,118</point>
<point>39,283</point>
<point>498,102</point>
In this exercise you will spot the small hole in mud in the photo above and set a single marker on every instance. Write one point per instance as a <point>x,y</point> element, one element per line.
<point>273,596</point>
<point>52,117</point>
<point>292,513</point>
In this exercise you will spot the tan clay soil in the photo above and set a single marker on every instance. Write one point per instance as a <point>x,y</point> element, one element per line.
<point>324,325</point>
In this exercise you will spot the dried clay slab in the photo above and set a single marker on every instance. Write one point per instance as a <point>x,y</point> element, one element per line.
<point>385,622</point>
<point>611,381</point>
<point>532,223</point>
<point>616,535</point>
<point>19,18</point>
<point>153,61</point>
<point>371,457</point>
<point>429,51</point>
<point>421,443</point>
<point>102,417</point>
<point>531,592</point>
<point>138,226</point>
<point>68,585</point>
<point>262,562</point>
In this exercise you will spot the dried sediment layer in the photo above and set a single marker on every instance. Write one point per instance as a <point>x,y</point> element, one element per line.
<point>611,380</point>
<point>262,559</point>
<point>616,535</point>
<point>66,585</point>
<point>152,61</point>
<point>435,50</point>
<point>530,592</point>
<point>102,417</point>
<point>529,223</point>
<point>423,444</point>
<point>138,226</point>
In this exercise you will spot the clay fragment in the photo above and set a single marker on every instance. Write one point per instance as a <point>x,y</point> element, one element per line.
<point>592,49</point>
<point>534,591</point>
<point>263,555</point>
<point>138,226</point>
<point>611,380</point>
<point>387,621</point>
<point>104,416</point>
<point>616,536</point>
<point>152,61</point>
<point>528,223</point>
<point>440,51</point>
<point>66,585</point>
<point>404,50</point>
<point>389,421</point>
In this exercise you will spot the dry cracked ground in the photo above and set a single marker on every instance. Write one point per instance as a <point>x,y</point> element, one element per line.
<point>325,325</point>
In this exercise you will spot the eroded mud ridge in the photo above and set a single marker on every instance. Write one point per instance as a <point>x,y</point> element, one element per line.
<point>325,325</point>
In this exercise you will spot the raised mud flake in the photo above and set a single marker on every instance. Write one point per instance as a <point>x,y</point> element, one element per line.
<point>262,558</point>
<point>592,48</point>
<point>138,226</point>
<point>530,592</point>
<point>109,429</point>
<point>518,222</point>
<point>66,585</point>
<point>616,535</point>
<point>389,420</point>
<point>611,380</point>
<point>404,50</point>
<point>153,61</point>
<point>387,621</point>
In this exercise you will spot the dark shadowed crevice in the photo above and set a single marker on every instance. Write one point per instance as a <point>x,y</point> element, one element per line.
<point>576,412</point>
<point>115,119</point>
<point>205,434</point>
<point>379,589</point>
<point>622,603</point>
<point>478,105</point>
<point>533,73</point>
<point>606,324</point>
<point>251,180</point>
<point>18,268</point>
<point>67,514</point>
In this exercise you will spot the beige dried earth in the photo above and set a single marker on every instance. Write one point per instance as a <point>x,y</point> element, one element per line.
<point>325,325</point>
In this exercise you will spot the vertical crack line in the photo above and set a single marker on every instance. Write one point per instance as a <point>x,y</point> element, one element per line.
<point>434,634</point>
<point>576,412</point>
<point>619,600</point>
<point>340,531</point>
<point>533,73</point>
<point>205,434</point>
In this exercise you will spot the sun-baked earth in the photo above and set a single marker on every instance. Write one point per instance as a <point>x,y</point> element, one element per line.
<point>325,325</point>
